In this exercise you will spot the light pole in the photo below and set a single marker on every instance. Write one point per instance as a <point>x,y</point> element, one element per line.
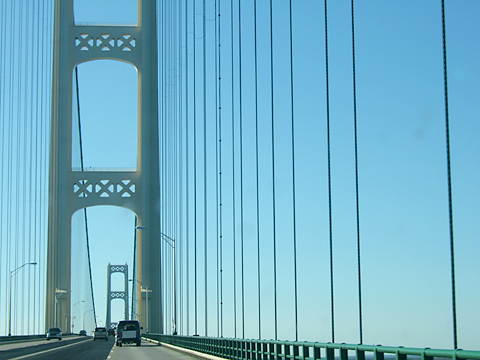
<point>85,313</point>
<point>146,299</point>
<point>13,272</point>
<point>73,312</point>
<point>57,292</point>
<point>66,322</point>
<point>170,241</point>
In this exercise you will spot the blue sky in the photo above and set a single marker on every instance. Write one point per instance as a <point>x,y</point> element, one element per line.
<point>404,229</point>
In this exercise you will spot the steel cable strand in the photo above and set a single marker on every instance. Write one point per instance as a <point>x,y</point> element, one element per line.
<point>329,174</point>
<point>273,176</point>
<point>294,220</point>
<point>3,141</point>
<point>32,144</point>
<point>205,166</point>
<point>449,179</point>
<point>257,174</point>
<point>241,163</point>
<point>220,166</point>
<point>36,115</point>
<point>195,167</point>
<point>356,180</point>
<point>85,209</point>
<point>180,175</point>
<point>217,145</point>
<point>233,182</point>
<point>187,179</point>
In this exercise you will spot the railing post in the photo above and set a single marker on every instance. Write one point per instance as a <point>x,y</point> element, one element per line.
<point>377,355</point>
<point>399,356</point>
<point>329,353</point>
<point>286,350</point>
<point>295,351</point>
<point>265,355</point>
<point>278,351</point>
<point>424,356</point>
<point>305,351</point>
<point>343,353</point>
<point>359,354</point>
<point>317,354</point>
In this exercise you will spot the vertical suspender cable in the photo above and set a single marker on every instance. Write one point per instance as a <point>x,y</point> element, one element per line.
<point>233,183</point>
<point>3,124</point>
<point>449,179</point>
<point>329,174</point>
<point>273,174</point>
<point>356,180</point>
<point>31,155</point>
<point>10,147</point>
<point>220,166</point>
<point>256,172</point>
<point>22,143</point>
<point>293,176</point>
<point>36,115</point>
<point>85,209</point>
<point>187,184</point>
<point>44,66</point>
<point>163,147</point>
<point>241,159</point>
<point>179,279</point>
<point>217,144</point>
<point>195,166</point>
<point>205,166</point>
<point>18,149</point>
<point>134,274</point>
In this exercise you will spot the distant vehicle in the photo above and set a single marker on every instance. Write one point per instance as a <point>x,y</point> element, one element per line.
<point>82,333</point>
<point>54,333</point>
<point>100,333</point>
<point>128,331</point>
<point>111,332</point>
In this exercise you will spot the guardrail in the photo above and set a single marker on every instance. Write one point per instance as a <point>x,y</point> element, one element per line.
<point>4,339</point>
<point>276,350</point>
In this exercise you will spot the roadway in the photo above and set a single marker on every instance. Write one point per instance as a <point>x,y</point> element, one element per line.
<point>84,348</point>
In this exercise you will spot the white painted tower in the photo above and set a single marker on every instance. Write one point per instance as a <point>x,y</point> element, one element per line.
<point>70,191</point>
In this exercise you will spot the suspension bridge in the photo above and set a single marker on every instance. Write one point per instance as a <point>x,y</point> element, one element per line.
<point>288,179</point>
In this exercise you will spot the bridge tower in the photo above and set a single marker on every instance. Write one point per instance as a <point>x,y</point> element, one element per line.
<point>69,190</point>
<point>113,295</point>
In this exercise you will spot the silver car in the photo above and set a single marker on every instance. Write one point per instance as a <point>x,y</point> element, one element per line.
<point>54,333</point>
<point>100,333</point>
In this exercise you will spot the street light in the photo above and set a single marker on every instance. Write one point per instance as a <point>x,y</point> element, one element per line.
<point>170,241</point>
<point>58,293</point>
<point>66,322</point>
<point>73,312</point>
<point>85,313</point>
<point>146,297</point>
<point>13,272</point>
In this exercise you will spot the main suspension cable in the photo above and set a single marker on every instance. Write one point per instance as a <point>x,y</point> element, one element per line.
<point>84,209</point>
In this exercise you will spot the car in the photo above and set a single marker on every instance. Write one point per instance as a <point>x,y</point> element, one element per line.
<point>100,333</point>
<point>111,332</point>
<point>54,333</point>
<point>128,332</point>
<point>82,333</point>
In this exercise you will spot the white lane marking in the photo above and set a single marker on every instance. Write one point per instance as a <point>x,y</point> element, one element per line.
<point>47,351</point>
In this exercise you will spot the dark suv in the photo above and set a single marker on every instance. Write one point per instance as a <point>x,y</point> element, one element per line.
<point>128,331</point>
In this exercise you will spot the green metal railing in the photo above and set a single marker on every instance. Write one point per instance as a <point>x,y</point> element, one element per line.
<point>276,350</point>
